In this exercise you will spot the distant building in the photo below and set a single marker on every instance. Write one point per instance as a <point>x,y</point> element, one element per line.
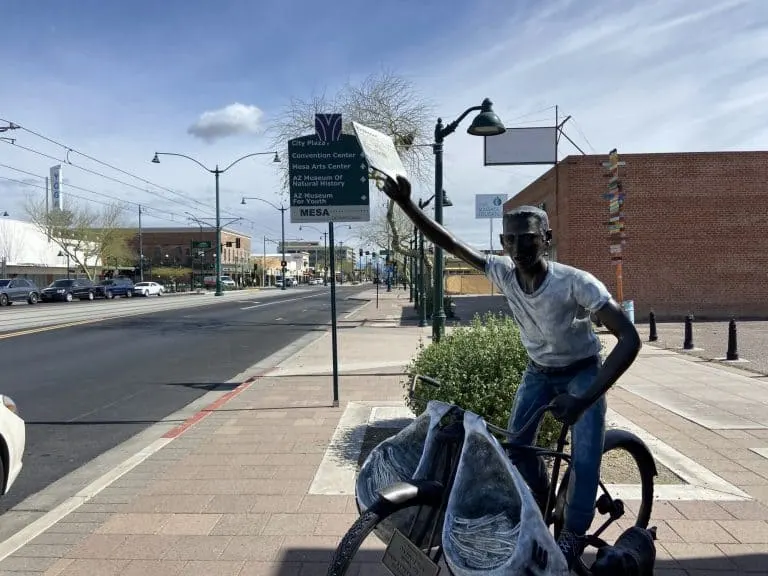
<point>193,249</point>
<point>26,252</point>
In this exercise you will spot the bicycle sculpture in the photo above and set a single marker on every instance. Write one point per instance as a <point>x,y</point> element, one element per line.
<point>446,488</point>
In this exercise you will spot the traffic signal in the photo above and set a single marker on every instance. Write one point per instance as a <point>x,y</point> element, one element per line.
<point>361,252</point>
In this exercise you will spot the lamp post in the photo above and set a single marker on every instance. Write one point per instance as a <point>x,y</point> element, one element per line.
<point>282,209</point>
<point>216,172</point>
<point>422,284</point>
<point>62,254</point>
<point>486,123</point>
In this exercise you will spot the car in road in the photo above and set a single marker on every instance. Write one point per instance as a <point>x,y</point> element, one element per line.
<point>18,290</point>
<point>226,282</point>
<point>148,289</point>
<point>66,289</point>
<point>13,438</point>
<point>316,282</point>
<point>113,287</point>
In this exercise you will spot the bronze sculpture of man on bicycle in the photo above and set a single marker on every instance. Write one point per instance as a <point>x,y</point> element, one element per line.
<point>551,303</point>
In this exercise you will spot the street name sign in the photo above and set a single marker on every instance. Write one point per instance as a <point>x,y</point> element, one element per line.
<point>328,180</point>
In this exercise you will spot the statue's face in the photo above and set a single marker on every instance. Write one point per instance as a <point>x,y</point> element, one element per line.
<point>525,239</point>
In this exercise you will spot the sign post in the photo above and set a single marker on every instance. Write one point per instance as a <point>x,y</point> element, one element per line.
<point>490,206</point>
<point>328,176</point>
<point>615,196</point>
<point>334,335</point>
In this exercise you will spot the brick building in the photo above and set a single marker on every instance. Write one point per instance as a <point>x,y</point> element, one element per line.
<point>696,229</point>
<point>173,247</point>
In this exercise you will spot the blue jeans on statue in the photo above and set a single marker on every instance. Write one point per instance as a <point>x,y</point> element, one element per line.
<point>538,387</point>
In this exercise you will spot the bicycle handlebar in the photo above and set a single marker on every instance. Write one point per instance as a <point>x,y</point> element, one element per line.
<point>493,428</point>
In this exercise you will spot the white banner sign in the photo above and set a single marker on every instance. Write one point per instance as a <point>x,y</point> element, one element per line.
<point>57,203</point>
<point>490,205</point>
<point>380,151</point>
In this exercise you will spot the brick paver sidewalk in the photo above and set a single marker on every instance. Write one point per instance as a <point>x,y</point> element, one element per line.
<point>230,496</point>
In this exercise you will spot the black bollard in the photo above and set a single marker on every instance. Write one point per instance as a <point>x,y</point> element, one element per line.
<point>652,324</point>
<point>688,341</point>
<point>733,349</point>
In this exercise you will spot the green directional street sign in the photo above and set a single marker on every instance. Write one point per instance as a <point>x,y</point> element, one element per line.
<point>201,244</point>
<point>328,180</point>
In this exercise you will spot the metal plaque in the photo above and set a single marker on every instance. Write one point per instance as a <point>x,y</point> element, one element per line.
<point>404,558</point>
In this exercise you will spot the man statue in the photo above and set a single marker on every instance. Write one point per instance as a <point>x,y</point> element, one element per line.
<point>551,303</point>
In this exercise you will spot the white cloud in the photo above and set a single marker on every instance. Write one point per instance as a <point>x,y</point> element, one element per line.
<point>232,120</point>
<point>652,76</point>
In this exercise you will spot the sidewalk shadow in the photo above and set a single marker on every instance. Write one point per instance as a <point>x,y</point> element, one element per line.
<point>317,561</point>
<point>354,444</point>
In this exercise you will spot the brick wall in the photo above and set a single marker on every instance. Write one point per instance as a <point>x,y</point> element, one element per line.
<point>696,226</point>
<point>177,244</point>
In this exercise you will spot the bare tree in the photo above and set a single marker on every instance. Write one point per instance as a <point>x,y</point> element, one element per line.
<point>389,103</point>
<point>87,236</point>
<point>11,242</point>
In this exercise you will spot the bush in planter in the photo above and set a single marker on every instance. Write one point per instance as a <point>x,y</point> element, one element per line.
<point>480,367</point>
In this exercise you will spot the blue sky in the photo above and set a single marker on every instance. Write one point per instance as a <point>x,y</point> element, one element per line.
<point>119,80</point>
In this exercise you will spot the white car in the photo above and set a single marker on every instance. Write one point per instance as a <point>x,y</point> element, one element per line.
<point>148,289</point>
<point>12,440</point>
<point>228,282</point>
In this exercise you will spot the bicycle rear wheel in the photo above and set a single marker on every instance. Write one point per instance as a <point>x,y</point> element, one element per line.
<point>385,507</point>
<point>616,441</point>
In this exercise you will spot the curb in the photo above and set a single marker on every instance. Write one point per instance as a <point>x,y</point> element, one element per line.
<point>212,407</point>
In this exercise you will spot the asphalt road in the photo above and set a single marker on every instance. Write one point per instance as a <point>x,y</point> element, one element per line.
<point>83,390</point>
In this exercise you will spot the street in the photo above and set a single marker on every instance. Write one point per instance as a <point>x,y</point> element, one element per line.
<point>83,390</point>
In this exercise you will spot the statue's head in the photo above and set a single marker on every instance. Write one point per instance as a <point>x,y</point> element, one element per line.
<point>526,236</point>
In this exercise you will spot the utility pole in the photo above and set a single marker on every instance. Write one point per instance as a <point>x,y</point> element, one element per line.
<point>141,249</point>
<point>264,265</point>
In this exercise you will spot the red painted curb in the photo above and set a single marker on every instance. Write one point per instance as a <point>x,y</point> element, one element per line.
<point>194,419</point>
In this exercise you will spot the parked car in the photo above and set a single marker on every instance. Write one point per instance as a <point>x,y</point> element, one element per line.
<point>13,437</point>
<point>68,289</point>
<point>115,287</point>
<point>18,290</point>
<point>148,289</point>
<point>226,282</point>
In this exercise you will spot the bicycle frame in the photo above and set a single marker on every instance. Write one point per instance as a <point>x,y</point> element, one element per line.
<point>454,439</point>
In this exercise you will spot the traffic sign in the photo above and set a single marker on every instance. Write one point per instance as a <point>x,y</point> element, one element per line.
<point>201,244</point>
<point>328,180</point>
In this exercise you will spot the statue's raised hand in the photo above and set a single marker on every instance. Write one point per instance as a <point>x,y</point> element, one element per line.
<point>399,191</point>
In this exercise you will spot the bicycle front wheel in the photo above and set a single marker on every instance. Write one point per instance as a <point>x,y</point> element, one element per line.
<point>619,446</point>
<point>423,504</point>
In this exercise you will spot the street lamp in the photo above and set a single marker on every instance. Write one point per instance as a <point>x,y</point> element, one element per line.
<point>61,255</point>
<point>486,123</point>
<point>216,172</point>
<point>422,284</point>
<point>282,209</point>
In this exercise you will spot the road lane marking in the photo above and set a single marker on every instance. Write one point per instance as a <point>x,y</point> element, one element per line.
<point>116,316</point>
<point>279,302</point>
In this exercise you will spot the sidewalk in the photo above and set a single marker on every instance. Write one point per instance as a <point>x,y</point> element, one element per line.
<point>261,484</point>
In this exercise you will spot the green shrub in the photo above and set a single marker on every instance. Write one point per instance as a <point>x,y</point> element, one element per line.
<point>480,367</point>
